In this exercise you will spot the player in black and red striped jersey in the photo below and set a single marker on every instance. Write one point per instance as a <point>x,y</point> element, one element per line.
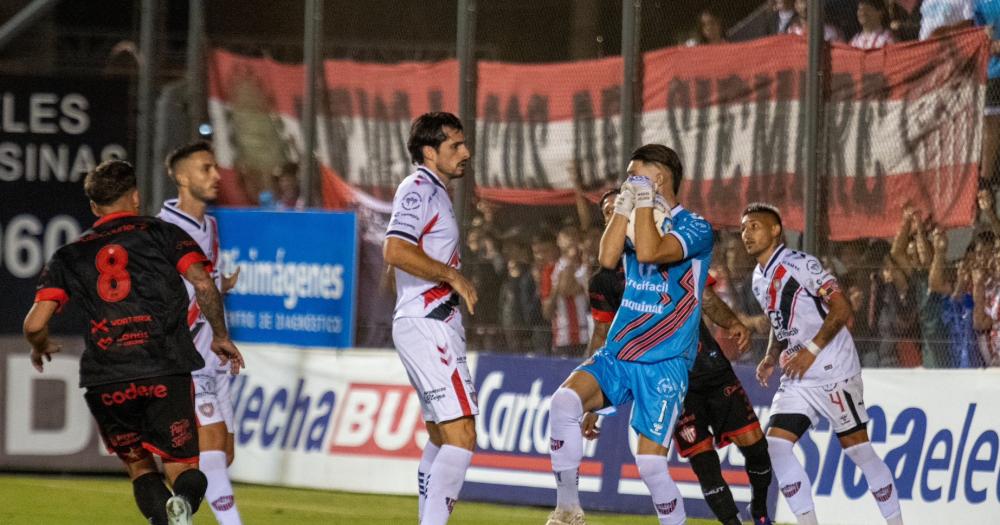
<point>717,411</point>
<point>125,274</point>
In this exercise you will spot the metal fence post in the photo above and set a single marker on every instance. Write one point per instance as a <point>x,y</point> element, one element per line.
<point>311,51</point>
<point>196,104</point>
<point>467,80</point>
<point>631,81</point>
<point>148,62</point>
<point>812,109</point>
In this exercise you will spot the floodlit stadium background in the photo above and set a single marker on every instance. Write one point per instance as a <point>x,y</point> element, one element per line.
<point>879,160</point>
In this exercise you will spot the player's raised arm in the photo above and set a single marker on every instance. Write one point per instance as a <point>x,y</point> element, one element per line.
<point>720,314</point>
<point>613,240</point>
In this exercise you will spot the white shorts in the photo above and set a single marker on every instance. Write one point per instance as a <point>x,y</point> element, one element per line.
<point>212,402</point>
<point>842,403</point>
<point>433,354</point>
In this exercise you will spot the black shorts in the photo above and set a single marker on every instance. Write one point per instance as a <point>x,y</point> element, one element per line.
<point>155,415</point>
<point>716,408</point>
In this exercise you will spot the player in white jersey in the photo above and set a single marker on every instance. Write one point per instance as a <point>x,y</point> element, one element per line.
<point>422,244</point>
<point>822,375</point>
<point>193,169</point>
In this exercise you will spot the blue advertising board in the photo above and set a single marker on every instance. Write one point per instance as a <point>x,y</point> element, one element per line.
<point>512,464</point>
<point>297,276</point>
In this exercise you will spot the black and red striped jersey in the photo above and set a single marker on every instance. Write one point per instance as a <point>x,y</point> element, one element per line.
<point>125,275</point>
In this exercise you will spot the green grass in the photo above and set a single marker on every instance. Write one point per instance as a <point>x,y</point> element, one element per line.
<point>57,500</point>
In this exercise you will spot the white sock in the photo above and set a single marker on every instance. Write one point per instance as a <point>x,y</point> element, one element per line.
<point>566,446</point>
<point>792,480</point>
<point>879,480</point>
<point>423,473</point>
<point>219,493</point>
<point>446,478</point>
<point>667,499</point>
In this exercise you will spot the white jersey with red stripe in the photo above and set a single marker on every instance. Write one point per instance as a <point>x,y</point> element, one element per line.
<point>422,215</point>
<point>206,234</point>
<point>793,289</point>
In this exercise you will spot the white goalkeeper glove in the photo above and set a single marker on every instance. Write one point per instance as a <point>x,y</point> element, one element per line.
<point>625,201</point>
<point>643,189</point>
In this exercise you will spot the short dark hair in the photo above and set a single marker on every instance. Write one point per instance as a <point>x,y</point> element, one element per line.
<point>109,181</point>
<point>184,152</point>
<point>613,192</point>
<point>664,156</point>
<point>428,130</point>
<point>765,208</point>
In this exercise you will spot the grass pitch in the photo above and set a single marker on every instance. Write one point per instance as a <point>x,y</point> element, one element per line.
<point>63,500</point>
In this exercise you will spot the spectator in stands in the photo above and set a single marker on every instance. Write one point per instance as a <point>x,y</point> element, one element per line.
<point>933,292</point>
<point>939,17</point>
<point>986,200</point>
<point>986,297</point>
<point>544,255</point>
<point>287,193</point>
<point>483,275</point>
<point>801,24</point>
<point>710,29</point>
<point>986,13</point>
<point>732,269</point>
<point>958,310</point>
<point>521,321</point>
<point>904,19</point>
<point>784,16</point>
<point>872,16</point>
<point>567,305</point>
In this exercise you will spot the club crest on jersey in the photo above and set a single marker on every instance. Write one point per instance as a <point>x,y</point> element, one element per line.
<point>688,433</point>
<point>410,201</point>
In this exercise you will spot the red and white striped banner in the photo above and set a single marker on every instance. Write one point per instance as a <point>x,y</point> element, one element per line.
<point>902,126</point>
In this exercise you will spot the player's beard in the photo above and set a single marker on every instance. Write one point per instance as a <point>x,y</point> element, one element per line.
<point>458,171</point>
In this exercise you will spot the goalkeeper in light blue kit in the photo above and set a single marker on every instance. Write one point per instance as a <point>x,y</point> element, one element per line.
<point>653,340</point>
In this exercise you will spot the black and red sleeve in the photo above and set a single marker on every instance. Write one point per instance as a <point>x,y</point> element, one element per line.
<point>602,294</point>
<point>182,250</point>
<point>52,285</point>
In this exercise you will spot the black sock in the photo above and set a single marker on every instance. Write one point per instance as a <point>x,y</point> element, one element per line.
<point>758,467</point>
<point>717,494</point>
<point>191,484</point>
<point>151,496</point>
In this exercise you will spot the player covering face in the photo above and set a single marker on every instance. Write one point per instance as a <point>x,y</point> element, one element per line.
<point>822,374</point>
<point>652,341</point>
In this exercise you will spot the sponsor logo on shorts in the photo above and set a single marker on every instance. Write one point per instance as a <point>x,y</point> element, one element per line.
<point>556,444</point>
<point>883,494</point>
<point>792,489</point>
<point>120,397</point>
<point>180,433</point>
<point>224,503</point>
<point>729,390</point>
<point>688,433</point>
<point>434,395</point>
<point>123,440</point>
<point>666,508</point>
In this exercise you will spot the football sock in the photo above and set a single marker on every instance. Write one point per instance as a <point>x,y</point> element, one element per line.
<point>151,496</point>
<point>446,478</point>
<point>566,446</point>
<point>424,472</point>
<point>191,484</point>
<point>667,498</point>
<point>220,491</point>
<point>792,479</point>
<point>717,493</point>
<point>879,479</point>
<point>758,467</point>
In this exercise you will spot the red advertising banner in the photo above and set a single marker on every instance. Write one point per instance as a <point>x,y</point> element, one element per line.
<point>902,125</point>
